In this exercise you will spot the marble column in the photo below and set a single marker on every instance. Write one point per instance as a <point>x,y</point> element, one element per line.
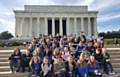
<point>89,27</point>
<point>61,27</point>
<point>67,26</point>
<point>17,27</point>
<point>22,27</point>
<point>75,26</point>
<point>82,24</point>
<point>46,26</point>
<point>95,27</point>
<point>38,27</point>
<point>30,28</point>
<point>53,26</point>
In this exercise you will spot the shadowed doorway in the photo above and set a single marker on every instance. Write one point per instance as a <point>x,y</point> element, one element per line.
<point>56,26</point>
<point>64,26</point>
<point>49,26</point>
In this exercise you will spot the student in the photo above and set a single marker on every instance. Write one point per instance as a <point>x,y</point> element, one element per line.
<point>26,59</point>
<point>90,47</point>
<point>66,54</point>
<point>48,53</point>
<point>59,67</point>
<point>108,69</point>
<point>70,67</point>
<point>35,65</point>
<point>85,55</point>
<point>82,37</point>
<point>31,48</point>
<point>48,43</point>
<point>93,68</point>
<point>79,49</point>
<point>82,68</point>
<point>15,60</point>
<point>56,53</point>
<point>46,68</point>
<point>99,57</point>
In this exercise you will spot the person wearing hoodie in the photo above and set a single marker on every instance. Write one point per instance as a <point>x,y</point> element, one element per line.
<point>70,66</point>
<point>15,60</point>
<point>26,57</point>
<point>81,67</point>
<point>93,68</point>
<point>46,67</point>
<point>35,65</point>
<point>59,67</point>
<point>108,68</point>
<point>79,49</point>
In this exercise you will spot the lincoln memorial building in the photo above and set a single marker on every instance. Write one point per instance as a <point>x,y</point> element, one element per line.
<point>52,19</point>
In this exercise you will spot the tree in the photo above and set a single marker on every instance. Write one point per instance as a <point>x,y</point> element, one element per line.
<point>110,34</point>
<point>5,35</point>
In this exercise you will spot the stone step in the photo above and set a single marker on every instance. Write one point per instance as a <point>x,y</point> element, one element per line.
<point>4,64</point>
<point>117,70</point>
<point>5,69</point>
<point>14,75</point>
<point>3,59</point>
<point>115,60</point>
<point>116,65</point>
<point>116,75</point>
<point>115,56</point>
<point>26,74</point>
<point>4,55</point>
<point>113,49</point>
<point>5,73</point>
<point>114,53</point>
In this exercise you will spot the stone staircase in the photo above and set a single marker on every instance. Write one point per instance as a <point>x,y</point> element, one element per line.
<point>4,63</point>
<point>5,69</point>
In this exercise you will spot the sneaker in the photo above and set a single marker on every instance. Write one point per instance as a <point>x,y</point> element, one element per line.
<point>112,73</point>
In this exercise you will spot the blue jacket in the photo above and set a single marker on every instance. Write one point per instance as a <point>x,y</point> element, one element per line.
<point>79,48</point>
<point>36,67</point>
<point>81,71</point>
<point>92,69</point>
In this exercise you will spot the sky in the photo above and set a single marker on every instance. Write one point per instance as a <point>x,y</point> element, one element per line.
<point>108,12</point>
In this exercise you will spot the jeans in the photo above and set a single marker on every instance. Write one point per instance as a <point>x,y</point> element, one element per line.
<point>108,67</point>
<point>15,66</point>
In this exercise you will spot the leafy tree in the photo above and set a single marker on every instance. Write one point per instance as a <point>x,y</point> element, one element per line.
<point>112,34</point>
<point>5,35</point>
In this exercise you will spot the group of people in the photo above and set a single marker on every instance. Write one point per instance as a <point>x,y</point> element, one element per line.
<point>63,56</point>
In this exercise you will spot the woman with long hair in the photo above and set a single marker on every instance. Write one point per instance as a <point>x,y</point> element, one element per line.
<point>82,69</point>
<point>35,65</point>
<point>46,67</point>
<point>15,60</point>
<point>93,67</point>
<point>70,67</point>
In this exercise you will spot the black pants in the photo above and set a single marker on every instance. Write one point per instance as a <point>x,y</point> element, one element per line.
<point>15,66</point>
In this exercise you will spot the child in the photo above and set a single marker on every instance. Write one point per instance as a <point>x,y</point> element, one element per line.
<point>15,60</point>
<point>108,69</point>
<point>82,69</point>
<point>70,67</point>
<point>26,59</point>
<point>35,65</point>
<point>59,67</point>
<point>46,67</point>
<point>79,49</point>
<point>66,54</point>
<point>93,67</point>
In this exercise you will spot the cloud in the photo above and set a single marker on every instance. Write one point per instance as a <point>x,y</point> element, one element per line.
<point>108,17</point>
<point>105,8</point>
<point>39,2</point>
